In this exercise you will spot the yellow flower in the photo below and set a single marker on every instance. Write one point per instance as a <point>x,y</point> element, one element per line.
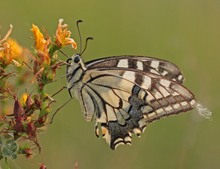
<point>40,41</point>
<point>41,45</point>
<point>10,50</point>
<point>23,99</point>
<point>63,36</point>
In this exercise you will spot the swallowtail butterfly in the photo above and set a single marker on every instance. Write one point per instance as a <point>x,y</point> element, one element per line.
<point>123,94</point>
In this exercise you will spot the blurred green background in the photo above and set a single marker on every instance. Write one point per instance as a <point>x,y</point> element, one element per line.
<point>186,32</point>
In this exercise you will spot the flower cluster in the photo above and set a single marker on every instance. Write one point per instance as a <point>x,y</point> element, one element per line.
<point>19,67</point>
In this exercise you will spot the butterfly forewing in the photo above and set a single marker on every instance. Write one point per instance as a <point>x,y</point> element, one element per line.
<point>123,94</point>
<point>141,63</point>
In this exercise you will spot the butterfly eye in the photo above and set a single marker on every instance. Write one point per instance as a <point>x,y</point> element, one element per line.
<point>76,59</point>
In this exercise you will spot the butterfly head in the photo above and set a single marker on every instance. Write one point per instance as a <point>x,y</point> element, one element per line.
<point>76,61</point>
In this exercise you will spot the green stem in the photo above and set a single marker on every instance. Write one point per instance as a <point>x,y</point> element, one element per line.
<point>7,164</point>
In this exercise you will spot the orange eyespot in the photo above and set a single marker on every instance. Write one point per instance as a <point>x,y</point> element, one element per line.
<point>104,131</point>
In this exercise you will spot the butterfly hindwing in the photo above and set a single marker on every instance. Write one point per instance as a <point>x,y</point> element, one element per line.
<point>123,100</point>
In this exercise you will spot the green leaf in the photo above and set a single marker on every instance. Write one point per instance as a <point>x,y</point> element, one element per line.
<point>9,149</point>
<point>12,145</point>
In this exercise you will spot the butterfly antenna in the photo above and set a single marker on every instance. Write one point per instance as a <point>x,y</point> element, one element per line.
<point>80,38</point>
<point>87,39</point>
